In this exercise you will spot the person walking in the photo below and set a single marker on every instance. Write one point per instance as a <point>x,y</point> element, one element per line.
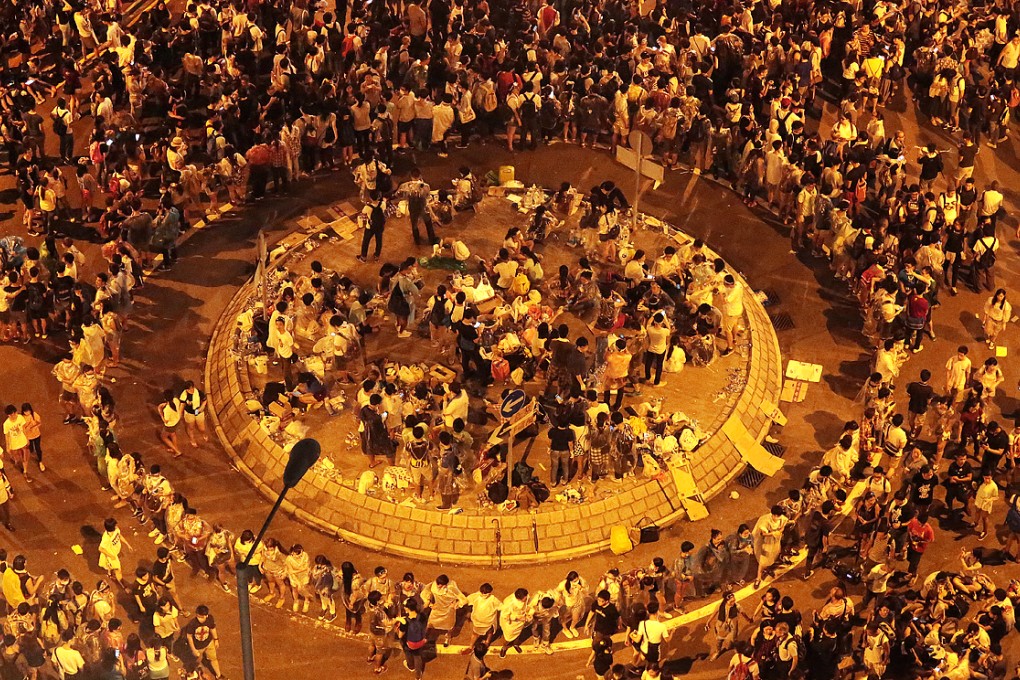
<point>919,536</point>
<point>34,434</point>
<point>203,640</point>
<point>996,314</point>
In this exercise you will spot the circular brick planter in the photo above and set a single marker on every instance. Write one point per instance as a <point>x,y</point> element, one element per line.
<point>562,531</point>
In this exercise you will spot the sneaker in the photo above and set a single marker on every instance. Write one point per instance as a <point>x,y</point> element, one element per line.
<point>404,334</point>
<point>154,533</point>
<point>304,607</point>
<point>42,467</point>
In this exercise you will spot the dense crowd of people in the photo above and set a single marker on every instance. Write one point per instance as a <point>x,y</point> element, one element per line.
<point>187,109</point>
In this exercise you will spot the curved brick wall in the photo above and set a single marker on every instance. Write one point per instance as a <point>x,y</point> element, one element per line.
<point>563,531</point>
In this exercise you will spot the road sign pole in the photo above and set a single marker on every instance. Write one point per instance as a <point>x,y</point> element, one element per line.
<point>641,143</point>
<point>637,188</point>
<point>510,463</point>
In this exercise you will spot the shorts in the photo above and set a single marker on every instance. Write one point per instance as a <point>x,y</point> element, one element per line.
<point>170,429</point>
<point>731,323</point>
<point>422,474</point>
<point>192,418</point>
<point>381,641</point>
<point>5,316</point>
<point>86,197</point>
<point>18,316</point>
<point>71,397</point>
<point>404,127</point>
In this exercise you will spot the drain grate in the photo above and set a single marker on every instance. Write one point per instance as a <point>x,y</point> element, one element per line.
<point>782,321</point>
<point>772,296</point>
<point>777,450</point>
<point>750,478</point>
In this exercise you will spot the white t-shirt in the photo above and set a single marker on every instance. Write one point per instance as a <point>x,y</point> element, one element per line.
<point>14,432</point>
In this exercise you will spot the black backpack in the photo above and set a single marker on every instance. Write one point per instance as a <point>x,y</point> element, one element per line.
<point>36,297</point>
<point>987,258</point>
<point>59,126</point>
<point>529,109</point>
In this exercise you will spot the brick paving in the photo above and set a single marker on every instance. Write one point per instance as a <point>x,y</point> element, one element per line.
<point>561,531</point>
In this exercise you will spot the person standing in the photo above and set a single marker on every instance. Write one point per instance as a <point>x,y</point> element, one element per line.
<point>110,546</point>
<point>768,533</point>
<point>374,214</point>
<point>919,396</point>
<point>817,536</point>
<point>416,191</point>
<point>16,439</point>
<point>919,536</point>
<point>170,414</point>
<point>193,401</point>
<point>513,618</point>
<point>996,314</point>
<point>69,660</point>
<point>984,502</point>
<point>957,373</point>
<point>203,639</point>
<point>659,331</point>
<point>484,613</point>
<point>33,433</point>
<point>443,598</point>
<point>411,629</point>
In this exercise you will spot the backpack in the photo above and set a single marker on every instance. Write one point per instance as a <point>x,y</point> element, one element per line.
<point>490,101</point>
<point>59,126</point>
<point>529,110</point>
<point>36,298</point>
<point>500,369</point>
<point>414,637</point>
<point>1013,516</point>
<point>739,672</point>
<point>987,258</point>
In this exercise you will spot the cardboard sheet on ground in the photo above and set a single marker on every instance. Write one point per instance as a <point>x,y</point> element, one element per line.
<point>1001,351</point>
<point>794,391</point>
<point>799,370</point>
<point>751,451</point>
<point>777,416</point>
<point>688,492</point>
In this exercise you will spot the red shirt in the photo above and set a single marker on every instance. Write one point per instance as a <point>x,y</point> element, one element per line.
<point>920,535</point>
<point>917,307</point>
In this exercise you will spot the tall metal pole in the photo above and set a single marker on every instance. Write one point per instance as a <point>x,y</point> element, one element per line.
<point>639,150</point>
<point>244,598</point>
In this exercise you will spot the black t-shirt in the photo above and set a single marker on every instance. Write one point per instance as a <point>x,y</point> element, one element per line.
<point>968,152</point>
<point>162,571</point>
<point>931,166</point>
<point>999,441</point>
<point>201,631</point>
<point>603,662</point>
<point>19,299</point>
<point>920,396</point>
<point>959,470</point>
<point>607,618</point>
<point>146,592</point>
<point>923,489</point>
<point>561,438</point>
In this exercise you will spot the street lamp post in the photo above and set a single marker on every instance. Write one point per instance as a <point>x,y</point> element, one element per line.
<point>302,457</point>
